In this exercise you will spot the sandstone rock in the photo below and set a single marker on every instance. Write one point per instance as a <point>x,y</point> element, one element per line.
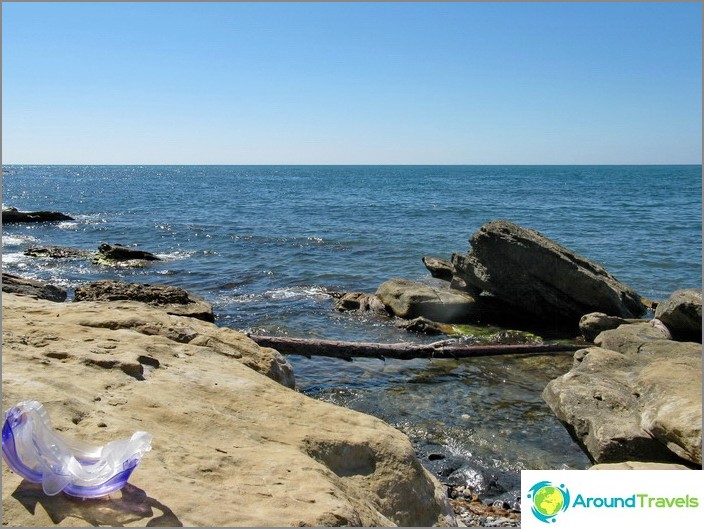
<point>410,299</point>
<point>173,300</point>
<point>440,268</point>
<point>119,253</point>
<point>631,338</point>
<point>682,314</point>
<point>359,301</point>
<point>457,283</point>
<point>13,284</point>
<point>231,447</point>
<point>644,404</point>
<point>12,215</point>
<point>56,252</point>
<point>593,323</point>
<point>638,465</point>
<point>525,269</point>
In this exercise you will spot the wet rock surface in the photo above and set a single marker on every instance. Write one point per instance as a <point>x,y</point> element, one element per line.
<point>358,302</point>
<point>57,252</point>
<point>116,253</point>
<point>13,284</point>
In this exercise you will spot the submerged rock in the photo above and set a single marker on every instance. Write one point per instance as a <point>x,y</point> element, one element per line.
<point>425,326</point>
<point>533,273</point>
<point>56,252</point>
<point>13,284</point>
<point>682,314</point>
<point>253,452</point>
<point>12,216</point>
<point>359,302</point>
<point>173,300</point>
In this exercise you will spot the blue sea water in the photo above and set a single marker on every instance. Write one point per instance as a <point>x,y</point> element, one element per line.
<point>264,244</point>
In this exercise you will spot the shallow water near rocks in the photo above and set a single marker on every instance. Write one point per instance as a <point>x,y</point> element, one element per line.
<point>265,244</point>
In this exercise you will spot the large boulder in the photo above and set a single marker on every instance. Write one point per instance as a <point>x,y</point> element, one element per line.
<point>13,284</point>
<point>12,216</point>
<point>410,299</point>
<point>529,271</point>
<point>231,447</point>
<point>173,300</point>
<point>641,402</point>
<point>682,314</point>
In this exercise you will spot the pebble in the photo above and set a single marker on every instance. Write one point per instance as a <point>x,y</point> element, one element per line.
<point>471,511</point>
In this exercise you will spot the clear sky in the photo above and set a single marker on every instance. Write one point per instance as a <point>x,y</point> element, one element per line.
<point>352,83</point>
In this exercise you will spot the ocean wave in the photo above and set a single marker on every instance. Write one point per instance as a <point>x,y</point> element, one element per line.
<point>14,258</point>
<point>175,256</point>
<point>278,294</point>
<point>17,240</point>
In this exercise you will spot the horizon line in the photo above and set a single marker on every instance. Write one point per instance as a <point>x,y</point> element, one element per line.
<point>4,164</point>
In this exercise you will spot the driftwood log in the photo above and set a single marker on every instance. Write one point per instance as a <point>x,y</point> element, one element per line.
<point>403,351</point>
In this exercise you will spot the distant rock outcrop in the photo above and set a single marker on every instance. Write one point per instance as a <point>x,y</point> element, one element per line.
<point>523,268</point>
<point>115,253</point>
<point>12,216</point>
<point>56,252</point>
<point>173,300</point>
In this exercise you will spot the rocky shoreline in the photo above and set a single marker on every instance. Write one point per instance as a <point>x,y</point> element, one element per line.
<point>634,398</point>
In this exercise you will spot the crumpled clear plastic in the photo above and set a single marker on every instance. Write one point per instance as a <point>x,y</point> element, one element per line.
<point>32,449</point>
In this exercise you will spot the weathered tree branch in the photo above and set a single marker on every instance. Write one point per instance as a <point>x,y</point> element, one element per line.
<point>403,351</point>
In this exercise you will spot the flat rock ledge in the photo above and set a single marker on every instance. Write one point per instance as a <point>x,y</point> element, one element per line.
<point>233,446</point>
<point>638,397</point>
<point>173,300</point>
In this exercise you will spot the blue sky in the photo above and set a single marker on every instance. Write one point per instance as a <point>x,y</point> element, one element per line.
<point>352,83</point>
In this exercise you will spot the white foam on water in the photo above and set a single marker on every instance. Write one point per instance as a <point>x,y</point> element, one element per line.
<point>175,256</point>
<point>16,240</point>
<point>15,257</point>
<point>277,294</point>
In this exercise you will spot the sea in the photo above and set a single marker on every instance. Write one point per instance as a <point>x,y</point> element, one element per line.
<point>266,244</point>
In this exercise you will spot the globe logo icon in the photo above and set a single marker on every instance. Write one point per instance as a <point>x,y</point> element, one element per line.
<point>548,500</point>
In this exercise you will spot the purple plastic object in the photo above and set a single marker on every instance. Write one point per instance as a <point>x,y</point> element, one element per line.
<point>32,449</point>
